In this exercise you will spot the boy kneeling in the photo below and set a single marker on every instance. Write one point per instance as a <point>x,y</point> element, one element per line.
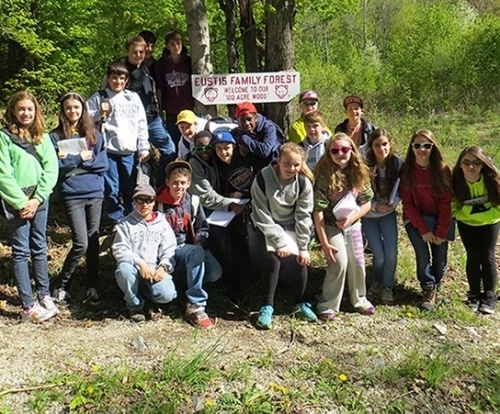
<point>144,247</point>
<point>189,224</point>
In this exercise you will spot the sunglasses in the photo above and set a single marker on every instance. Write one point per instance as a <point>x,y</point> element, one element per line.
<point>340,150</point>
<point>470,164</point>
<point>427,146</point>
<point>202,148</point>
<point>309,103</point>
<point>141,201</point>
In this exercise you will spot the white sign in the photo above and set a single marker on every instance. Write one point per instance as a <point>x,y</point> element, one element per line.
<point>238,87</point>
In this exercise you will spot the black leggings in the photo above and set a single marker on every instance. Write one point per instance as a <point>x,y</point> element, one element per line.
<point>480,243</point>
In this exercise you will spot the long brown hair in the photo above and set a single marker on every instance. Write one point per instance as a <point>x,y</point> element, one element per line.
<point>356,172</point>
<point>292,147</point>
<point>391,165</point>
<point>35,131</point>
<point>489,171</point>
<point>84,126</point>
<point>440,172</point>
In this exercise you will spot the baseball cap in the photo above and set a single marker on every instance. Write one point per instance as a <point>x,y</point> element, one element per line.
<point>353,99</point>
<point>308,95</point>
<point>244,108</point>
<point>223,136</point>
<point>177,164</point>
<point>144,190</point>
<point>186,116</point>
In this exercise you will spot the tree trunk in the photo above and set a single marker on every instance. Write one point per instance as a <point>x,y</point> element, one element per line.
<point>279,52</point>
<point>229,8</point>
<point>249,36</point>
<point>199,42</point>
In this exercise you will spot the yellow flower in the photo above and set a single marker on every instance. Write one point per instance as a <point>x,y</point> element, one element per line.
<point>90,389</point>
<point>209,403</point>
<point>95,367</point>
<point>343,377</point>
<point>409,315</point>
<point>278,388</point>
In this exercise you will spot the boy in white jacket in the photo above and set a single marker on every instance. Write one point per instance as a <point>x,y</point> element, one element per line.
<point>125,131</point>
<point>144,247</point>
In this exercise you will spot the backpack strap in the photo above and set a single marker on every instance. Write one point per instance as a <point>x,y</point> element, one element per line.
<point>25,145</point>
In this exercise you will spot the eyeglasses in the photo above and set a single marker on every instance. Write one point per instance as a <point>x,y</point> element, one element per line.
<point>309,103</point>
<point>341,150</point>
<point>471,164</point>
<point>142,201</point>
<point>427,146</point>
<point>202,148</point>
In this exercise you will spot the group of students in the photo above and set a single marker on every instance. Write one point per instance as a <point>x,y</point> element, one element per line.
<point>275,192</point>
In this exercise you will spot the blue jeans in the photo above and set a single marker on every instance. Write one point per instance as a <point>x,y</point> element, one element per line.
<point>84,218</point>
<point>120,179</point>
<point>382,236</point>
<point>28,238</point>
<point>431,258</point>
<point>198,265</point>
<point>135,288</point>
<point>173,129</point>
<point>161,139</point>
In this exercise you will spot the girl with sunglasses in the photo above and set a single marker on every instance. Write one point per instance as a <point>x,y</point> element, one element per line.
<point>426,195</point>
<point>82,189</point>
<point>342,175</point>
<point>476,207</point>
<point>380,223</point>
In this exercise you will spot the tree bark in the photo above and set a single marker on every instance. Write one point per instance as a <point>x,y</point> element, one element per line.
<point>249,36</point>
<point>279,51</point>
<point>199,42</point>
<point>230,12</point>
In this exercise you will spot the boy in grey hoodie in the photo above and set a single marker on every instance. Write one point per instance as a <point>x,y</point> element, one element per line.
<point>144,247</point>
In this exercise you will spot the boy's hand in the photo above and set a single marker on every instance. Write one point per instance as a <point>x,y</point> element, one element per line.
<point>159,274</point>
<point>29,211</point>
<point>145,271</point>
<point>144,157</point>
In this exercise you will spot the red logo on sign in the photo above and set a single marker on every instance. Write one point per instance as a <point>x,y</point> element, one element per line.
<point>211,94</point>
<point>281,91</point>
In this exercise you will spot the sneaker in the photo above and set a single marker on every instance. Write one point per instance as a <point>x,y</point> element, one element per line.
<point>61,297</point>
<point>488,303</point>
<point>327,315</point>
<point>92,296</point>
<point>473,302</point>
<point>48,303</point>
<point>264,320</point>
<point>37,313</point>
<point>429,296</point>
<point>375,289</point>
<point>369,311</point>
<point>198,317</point>
<point>304,310</point>
<point>387,296</point>
<point>137,316</point>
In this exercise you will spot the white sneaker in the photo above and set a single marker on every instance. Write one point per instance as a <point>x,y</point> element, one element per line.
<point>48,303</point>
<point>61,297</point>
<point>37,313</point>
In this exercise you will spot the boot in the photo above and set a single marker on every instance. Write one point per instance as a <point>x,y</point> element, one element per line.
<point>429,296</point>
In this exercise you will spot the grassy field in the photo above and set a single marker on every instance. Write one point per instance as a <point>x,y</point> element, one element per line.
<point>402,360</point>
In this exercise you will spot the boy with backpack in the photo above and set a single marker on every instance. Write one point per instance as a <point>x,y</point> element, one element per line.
<point>125,134</point>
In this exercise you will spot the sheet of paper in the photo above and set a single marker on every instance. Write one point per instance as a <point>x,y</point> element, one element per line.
<point>72,146</point>
<point>220,218</point>
<point>345,207</point>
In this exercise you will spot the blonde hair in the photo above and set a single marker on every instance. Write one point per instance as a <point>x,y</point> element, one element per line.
<point>292,147</point>
<point>356,172</point>
<point>34,132</point>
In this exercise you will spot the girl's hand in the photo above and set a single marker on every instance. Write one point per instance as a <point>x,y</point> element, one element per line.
<point>428,237</point>
<point>86,155</point>
<point>438,240</point>
<point>345,223</point>
<point>330,252</point>
<point>283,252</point>
<point>61,155</point>
<point>29,211</point>
<point>304,258</point>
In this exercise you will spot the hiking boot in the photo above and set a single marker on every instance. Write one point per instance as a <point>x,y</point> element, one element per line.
<point>137,316</point>
<point>61,297</point>
<point>48,303</point>
<point>264,320</point>
<point>488,303</point>
<point>92,296</point>
<point>198,317</point>
<point>37,313</point>
<point>473,302</point>
<point>387,296</point>
<point>304,310</point>
<point>429,296</point>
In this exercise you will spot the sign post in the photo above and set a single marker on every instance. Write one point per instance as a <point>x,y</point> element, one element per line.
<point>237,87</point>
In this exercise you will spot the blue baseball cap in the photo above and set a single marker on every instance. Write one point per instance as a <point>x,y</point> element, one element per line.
<point>223,136</point>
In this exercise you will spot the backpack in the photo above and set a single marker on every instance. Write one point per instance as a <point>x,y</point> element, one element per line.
<point>220,123</point>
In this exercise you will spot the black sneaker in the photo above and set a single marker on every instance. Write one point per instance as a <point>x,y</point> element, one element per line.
<point>488,303</point>
<point>473,302</point>
<point>92,296</point>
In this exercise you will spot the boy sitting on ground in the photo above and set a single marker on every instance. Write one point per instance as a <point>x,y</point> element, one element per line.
<point>189,223</point>
<point>144,247</point>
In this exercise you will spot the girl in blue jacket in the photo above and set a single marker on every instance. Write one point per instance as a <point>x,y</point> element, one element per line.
<point>82,162</point>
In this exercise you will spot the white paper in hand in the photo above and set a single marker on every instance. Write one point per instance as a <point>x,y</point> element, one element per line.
<point>72,146</point>
<point>346,207</point>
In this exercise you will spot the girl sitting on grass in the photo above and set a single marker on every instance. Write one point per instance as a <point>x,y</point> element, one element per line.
<point>426,195</point>
<point>282,203</point>
<point>342,175</point>
<point>476,207</point>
